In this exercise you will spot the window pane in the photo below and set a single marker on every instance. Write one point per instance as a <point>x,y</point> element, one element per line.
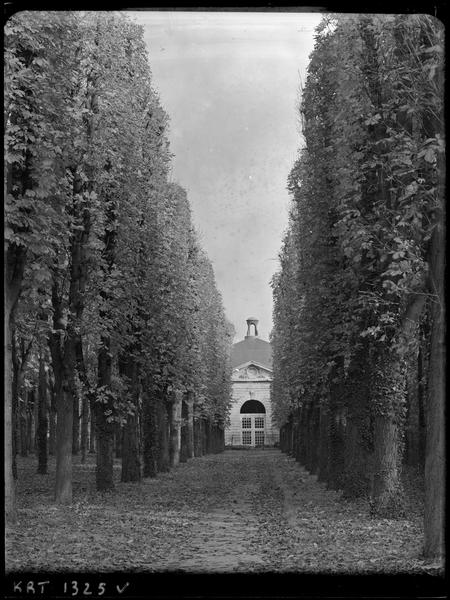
<point>259,422</point>
<point>247,438</point>
<point>246,422</point>
<point>259,438</point>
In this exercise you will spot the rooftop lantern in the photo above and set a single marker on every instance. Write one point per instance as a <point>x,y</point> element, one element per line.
<point>252,321</point>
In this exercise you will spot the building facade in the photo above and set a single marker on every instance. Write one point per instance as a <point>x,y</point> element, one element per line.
<point>251,409</point>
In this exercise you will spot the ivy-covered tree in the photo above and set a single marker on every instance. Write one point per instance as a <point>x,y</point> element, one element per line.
<point>356,263</point>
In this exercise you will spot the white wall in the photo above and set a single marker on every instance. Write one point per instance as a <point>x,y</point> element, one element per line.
<point>241,393</point>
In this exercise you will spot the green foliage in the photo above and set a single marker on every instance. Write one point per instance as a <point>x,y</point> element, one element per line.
<point>113,262</point>
<point>366,198</point>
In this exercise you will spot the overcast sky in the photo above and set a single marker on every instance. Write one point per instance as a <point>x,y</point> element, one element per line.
<point>229,83</point>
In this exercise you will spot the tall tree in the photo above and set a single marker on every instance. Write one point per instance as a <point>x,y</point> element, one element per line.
<point>33,80</point>
<point>357,257</point>
<point>42,430</point>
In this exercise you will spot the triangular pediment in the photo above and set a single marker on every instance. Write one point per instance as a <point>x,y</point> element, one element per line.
<point>251,371</point>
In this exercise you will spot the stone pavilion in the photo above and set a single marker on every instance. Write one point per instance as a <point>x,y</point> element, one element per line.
<point>251,409</point>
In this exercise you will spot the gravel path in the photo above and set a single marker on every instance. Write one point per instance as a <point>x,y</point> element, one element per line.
<point>225,537</point>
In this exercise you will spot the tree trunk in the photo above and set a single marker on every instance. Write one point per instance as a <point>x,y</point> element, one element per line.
<point>35,421</point>
<point>190,426</point>
<point>292,450</point>
<point>105,452</point>
<point>336,427</point>
<point>315,435</point>
<point>63,362</point>
<point>104,422</point>
<point>42,416</point>
<point>10,484</point>
<point>30,421</point>
<point>175,428</point>
<point>322,468</point>
<point>23,423</point>
<point>85,399</point>
<point>202,436</point>
<point>210,428</point>
<point>434,518</point>
<point>221,438</point>
<point>184,432</point>
<point>205,436</point>
<point>131,464</point>
<point>76,426</point>
<point>118,440</point>
<point>421,405</point>
<point>150,433</point>
<point>92,426</point>
<point>336,450</point>
<point>314,438</point>
<point>16,437</point>
<point>286,437</point>
<point>64,372</point>
<point>294,436</point>
<point>302,436</point>
<point>52,422</point>
<point>355,481</point>
<point>197,437</point>
<point>388,398</point>
<point>412,430</point>
<point>11,294</point>
<point>282,437</point>
<point>306,434</point>
<point>19,434</point>
<point>84,426</point>
<point>297,449</point>
<point>32,412</point>
<point>64,431</point>
<point>215,438</point>
<point>163,436</point>
<point>387,494</point>
<point>28,426</point>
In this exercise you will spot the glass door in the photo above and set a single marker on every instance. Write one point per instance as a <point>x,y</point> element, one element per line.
<point>253,430</point>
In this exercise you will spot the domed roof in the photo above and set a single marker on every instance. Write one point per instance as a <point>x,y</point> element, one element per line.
<point>251,349</point>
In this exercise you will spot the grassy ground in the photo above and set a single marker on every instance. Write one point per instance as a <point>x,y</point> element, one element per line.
<point>232,512</point>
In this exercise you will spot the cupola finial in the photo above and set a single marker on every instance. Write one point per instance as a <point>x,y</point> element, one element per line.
<point>252,321</point>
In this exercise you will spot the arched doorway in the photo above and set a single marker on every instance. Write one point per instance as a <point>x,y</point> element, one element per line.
<point>253,423</point>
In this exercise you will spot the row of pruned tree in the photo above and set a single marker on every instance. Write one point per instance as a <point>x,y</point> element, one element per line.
<point>359,303</point>
<point>116,339</point>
